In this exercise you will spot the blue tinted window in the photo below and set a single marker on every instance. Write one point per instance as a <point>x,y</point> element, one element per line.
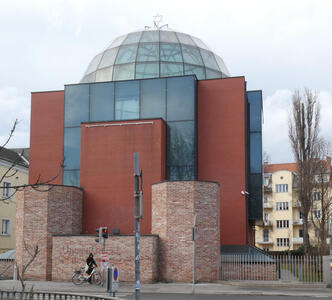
<point>102,102</point>
<point>71,148</point>
<point>210,74</point>
<point>255,110</point>
<point>209,59</point>
<point>150,36</point>
<point>147,70</point>
<point>153,98</point>
<point>180,98</point>
<point>191,55</point>
<point>181,149</point>
<point>127,100</point>
<point>71,178</point>
<point>255,209</point>
<point>123,72</point>
<point>76,104</point>
<point>255,152</point>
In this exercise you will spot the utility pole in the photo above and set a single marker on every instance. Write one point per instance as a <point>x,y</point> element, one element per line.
<point>138,214</point>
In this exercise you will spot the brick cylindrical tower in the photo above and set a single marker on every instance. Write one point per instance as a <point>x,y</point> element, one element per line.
<point>174,207</point>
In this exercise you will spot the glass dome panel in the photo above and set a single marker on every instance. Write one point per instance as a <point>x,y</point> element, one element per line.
<point>124,72</point>
<point>170,69</point>
<point>222,65</point>
<point>168,37</point>
<point>104,74</point>
<point>108,57</point>
<point>117,42</point>
<point>89,78</point>
<point>170,52</point>
<point>185,39</point>
<point>94,64</point>
<point>209,60</point>
<point>132,38</point>
<point>147,70</point>
<point>192,55</point>
<point>199,43</point>
<point>150,36</point>
<point>126,54</point>
<point>148,52</point>
<point>210,74</point>
<point>198,71</point>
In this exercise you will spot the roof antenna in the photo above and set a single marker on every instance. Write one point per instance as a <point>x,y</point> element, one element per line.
<point>157,19</point>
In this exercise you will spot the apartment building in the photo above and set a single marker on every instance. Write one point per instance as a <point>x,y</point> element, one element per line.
<point>282,225</point>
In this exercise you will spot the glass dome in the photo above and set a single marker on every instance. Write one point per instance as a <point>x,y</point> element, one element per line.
<point>154,53</point>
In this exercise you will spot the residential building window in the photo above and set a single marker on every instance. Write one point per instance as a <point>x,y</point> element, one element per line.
<point>265,235</point>
<point>281,188</point>
<point>6,189</point>
<point>283,242</point>
<point>316,213</point>
<point>5,228</point>
<point>266,198</point>
<point>282,206</point>
<point>300,215</point>
<point>316,196</point>
<point>266,217</point>
<point>316,233</point>
<point>301,233</point>
<point>282,223</point>
<point>267,249</point>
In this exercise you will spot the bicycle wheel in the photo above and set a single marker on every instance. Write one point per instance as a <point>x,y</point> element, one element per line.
<point>97,278</point>
<point>77,278</point>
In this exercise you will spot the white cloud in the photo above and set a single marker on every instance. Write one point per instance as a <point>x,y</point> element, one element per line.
<point>14,105</point>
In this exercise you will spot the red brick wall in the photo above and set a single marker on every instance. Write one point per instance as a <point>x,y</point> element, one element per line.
<point>107,171</point>
<point>247,271</point>
<point>46,136</point>
<point>6,269</point>
<point>70,252</point>
<point>174,205</point>
<point>221,151</point>
<point>39,215</point>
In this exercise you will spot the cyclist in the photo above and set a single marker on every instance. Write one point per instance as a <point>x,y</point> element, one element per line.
<point>90,262</point>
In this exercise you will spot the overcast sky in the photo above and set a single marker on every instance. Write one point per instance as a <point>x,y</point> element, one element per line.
<point>279,46</point>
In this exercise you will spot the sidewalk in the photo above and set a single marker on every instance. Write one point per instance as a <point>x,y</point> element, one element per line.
<point>267,288</point>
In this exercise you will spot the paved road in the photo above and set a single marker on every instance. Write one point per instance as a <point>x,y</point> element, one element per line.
<point>218,297</point>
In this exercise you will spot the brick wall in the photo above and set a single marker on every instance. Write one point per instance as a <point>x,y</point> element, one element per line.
<point>70,252</point>
<point>39,215</point>
<point>174,205</point>
<point>6,269</point>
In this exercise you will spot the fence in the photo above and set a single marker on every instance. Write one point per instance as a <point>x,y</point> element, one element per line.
<point>47,296</point>
<point>263,267</point>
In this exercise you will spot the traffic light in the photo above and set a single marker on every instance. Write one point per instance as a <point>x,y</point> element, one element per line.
<point>105,232</point>
<point>99,235</point>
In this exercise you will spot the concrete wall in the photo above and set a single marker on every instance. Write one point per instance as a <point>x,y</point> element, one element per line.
<point>174,205</point>
<point>70,253</point>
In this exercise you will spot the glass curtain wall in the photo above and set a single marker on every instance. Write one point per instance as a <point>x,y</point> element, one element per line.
<point>255,209</point>
<point>173,99</point>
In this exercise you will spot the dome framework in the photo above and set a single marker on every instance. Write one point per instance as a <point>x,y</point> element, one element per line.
<point>153,54</point>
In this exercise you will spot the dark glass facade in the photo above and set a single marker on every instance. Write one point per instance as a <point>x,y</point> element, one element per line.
<point>255,209</point>
<point>173,99</point>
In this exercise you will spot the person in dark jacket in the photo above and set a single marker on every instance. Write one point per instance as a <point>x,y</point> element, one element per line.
<point>90,262</point>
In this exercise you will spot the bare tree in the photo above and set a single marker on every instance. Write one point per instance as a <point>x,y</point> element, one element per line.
<point>303,134</point>
<point>322,196</point>
<point>32,251</point>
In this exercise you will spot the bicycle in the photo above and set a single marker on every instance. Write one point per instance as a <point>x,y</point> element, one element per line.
<point>80,276</point>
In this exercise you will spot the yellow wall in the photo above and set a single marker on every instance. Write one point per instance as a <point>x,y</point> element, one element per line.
<point>8,208</point>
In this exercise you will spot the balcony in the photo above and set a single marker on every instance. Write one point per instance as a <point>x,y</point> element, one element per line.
<point>269,242</point>
<point>268,188</point>
<point>267,205</point>
<point>296,204</point>
<point>298,222</point>
<point>298,240</point>
<point>267,223</point>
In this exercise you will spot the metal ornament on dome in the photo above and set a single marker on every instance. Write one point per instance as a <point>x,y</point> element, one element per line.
<point>157,51</point>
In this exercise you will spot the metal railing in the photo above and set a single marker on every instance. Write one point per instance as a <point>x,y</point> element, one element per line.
<point>10,294</point>
<point>263,267</point>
